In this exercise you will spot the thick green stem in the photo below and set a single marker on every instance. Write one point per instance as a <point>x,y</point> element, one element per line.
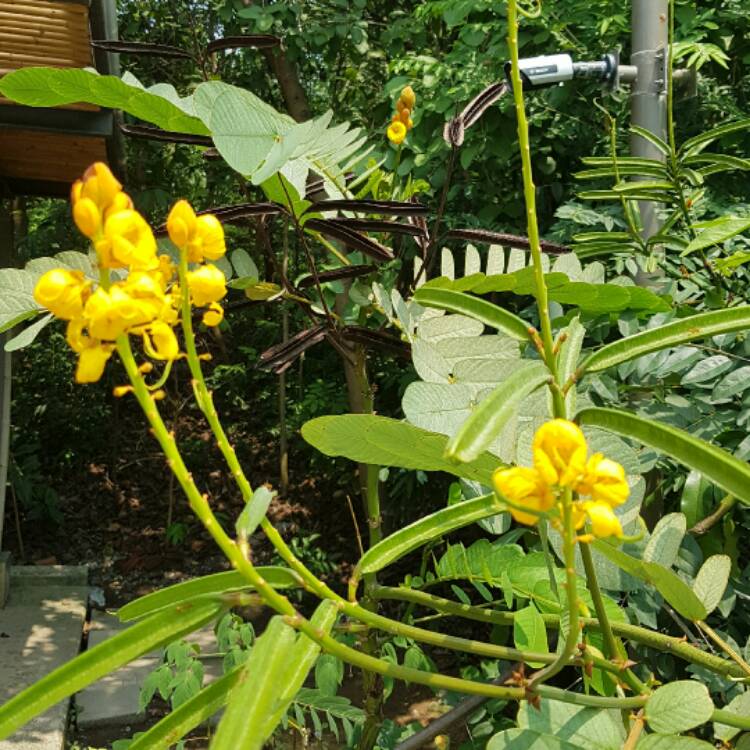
<point>659,641</point>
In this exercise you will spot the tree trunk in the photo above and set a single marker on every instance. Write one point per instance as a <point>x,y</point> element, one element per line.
<point>286,74</point>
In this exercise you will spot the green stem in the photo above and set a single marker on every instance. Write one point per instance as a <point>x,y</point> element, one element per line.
<point>724,646</point>
<point>613,649</point>
<point>203,395</point>
<point>529,190</point>
<point>659,641</point>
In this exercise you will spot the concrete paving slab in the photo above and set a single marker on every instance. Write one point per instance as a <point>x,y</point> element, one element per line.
<point>113,700</point>
<point>40,629</point>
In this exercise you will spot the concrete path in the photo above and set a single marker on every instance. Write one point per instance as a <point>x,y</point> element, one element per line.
<point>40,629</point>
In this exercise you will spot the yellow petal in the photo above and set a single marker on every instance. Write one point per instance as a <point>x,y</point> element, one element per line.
<point>603,520</point>
<point>62,292</point>
<point>87,217</point>
<point>181,223</point>
<point>559,451</point>
<point>396,132</point>
<point>214,315</point>
<point>91,362</point>
<point>604,480</point>
<point>207,284</point>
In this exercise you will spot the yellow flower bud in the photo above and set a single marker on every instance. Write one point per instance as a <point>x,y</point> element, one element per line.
<point>560,453</point>
<point>207,284</point>
<point>91,362</point>
<point>131,242</point>
<point>523,487</point>
<point>405,116</point>
<point>62,292</point>
<point>603,520</point>
<point>399,107</point>
<point>396,132</point>
<point>160,341</point>
<point>408,97</point>
<point>181,223</point>
<point>122,390</point>
<point>98,184</point>
<point>87,217</point>
<point>604,481</point>
<point>410,124</point>
<point>214,315</point>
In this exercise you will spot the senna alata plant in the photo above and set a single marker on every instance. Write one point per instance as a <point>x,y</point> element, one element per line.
<point>141,310</point>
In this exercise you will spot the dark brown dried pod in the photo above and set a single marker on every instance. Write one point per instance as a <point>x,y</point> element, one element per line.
<point>455,129</point>
<point>372,339</point>
<point>238,211</point>
<point>501,238</point>
<point>387,208</point>
<point>280,357</point>
<point>258,41</point>
<point>377,225</point>
<point>351,238</point>
<point>346,272</point>
<point>169,136</point>
<point>140,48</point>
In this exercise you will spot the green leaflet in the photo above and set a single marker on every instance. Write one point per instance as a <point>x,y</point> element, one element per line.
<point>426,529</point>
<point>213,585</point>
<point>479,309</point>
<point>678,707</point>
<point>529,632</point>
<point>189,715</point>
<point>151,633</point>
<point>697,143</point>
<point>594,298</point>
<point>17,301</point>
<point>667,583</point>
<point>714,463</point>
<point>258,691</point>
<point>371,439</point>
<point>674,333</point>
<point>717,232</point>
<point>51,87</point>
<point>301,660</point>
<point>489,418</point>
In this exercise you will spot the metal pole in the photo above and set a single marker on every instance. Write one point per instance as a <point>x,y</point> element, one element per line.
<point>648,94</point>
<point>7,254</point>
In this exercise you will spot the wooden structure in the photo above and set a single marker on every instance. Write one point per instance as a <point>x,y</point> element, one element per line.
<point>43,150</point>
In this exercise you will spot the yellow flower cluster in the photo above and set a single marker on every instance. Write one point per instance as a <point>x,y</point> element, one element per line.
<point>143,302</point>
<point>401,123</point>
<point>561,463</point>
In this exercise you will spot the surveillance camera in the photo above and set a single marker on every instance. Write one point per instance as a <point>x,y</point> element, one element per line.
<point>546,70</point>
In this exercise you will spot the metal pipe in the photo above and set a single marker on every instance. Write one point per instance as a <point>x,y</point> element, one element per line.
<point>6,259</point>
<point>648,95</point>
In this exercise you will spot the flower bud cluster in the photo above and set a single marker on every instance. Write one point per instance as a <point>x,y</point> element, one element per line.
<point>561,464</point>
<point>401,122</point>
<point>146,300</point>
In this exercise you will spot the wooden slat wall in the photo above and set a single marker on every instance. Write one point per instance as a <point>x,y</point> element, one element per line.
<point>44,32</point>
<point>47,157</point>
